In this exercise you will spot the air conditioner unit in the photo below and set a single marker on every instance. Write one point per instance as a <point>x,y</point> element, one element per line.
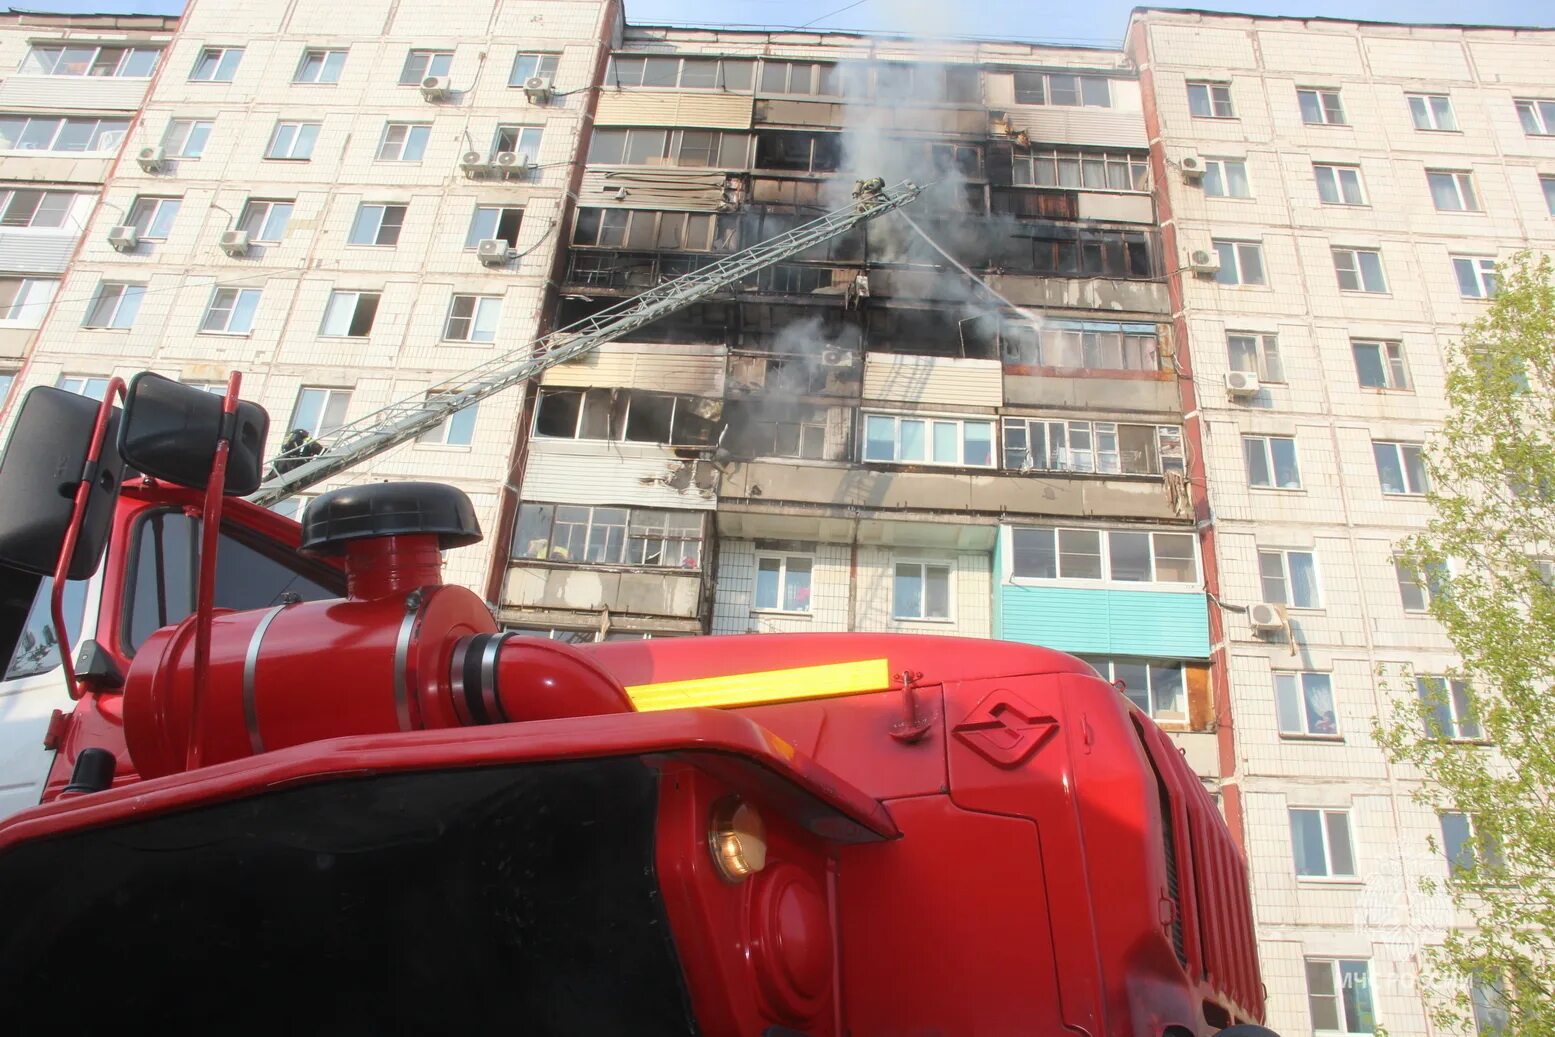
<point>152,159</point>
<point>1192,168</point>
<point>538,89</point>
<point>492,251</point>
<point>123,238</point>
<point>510,163</point>
<point>1204,261</point>
<point>473,163</point>
<point>1241,383</point>
<point>235,242</point>
<point>837,358</point>
<point>435,88</point>
<point>1266,618</point>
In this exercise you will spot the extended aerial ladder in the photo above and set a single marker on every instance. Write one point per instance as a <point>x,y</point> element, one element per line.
<point>404,420</point>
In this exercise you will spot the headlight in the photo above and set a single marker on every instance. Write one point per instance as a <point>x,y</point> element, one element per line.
<point>737,839</point>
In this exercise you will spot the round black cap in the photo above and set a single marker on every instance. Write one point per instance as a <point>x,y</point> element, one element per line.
<point>389,509</point>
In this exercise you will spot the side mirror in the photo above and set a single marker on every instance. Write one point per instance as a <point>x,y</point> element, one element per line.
<point>170,431</point>
<point>39,473</point>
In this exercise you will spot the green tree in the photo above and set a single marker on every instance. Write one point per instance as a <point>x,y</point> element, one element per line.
<point>1485,561</point>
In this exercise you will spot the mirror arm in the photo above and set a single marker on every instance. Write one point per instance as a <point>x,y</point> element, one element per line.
<point>67,549</point>
<point>210,530</point>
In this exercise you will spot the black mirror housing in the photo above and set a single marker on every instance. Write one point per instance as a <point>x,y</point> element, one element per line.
<point>39,473</point>
<point>170,431</point>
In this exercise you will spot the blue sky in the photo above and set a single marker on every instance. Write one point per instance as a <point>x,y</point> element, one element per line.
<point>1096,22</point>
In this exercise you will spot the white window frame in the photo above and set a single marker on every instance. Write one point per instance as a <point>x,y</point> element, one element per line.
<point>429,60</point>
<point>1268,364</point>
<point>1463,192</point>
<point>1264,444</point>
<point>1329,106</point>
<point>473,238</point>
<point>1336,982</point>
<point>223,70</point>
<point>150,217</point>
<point>1335,175</point>
<point>480,324</point>
<point>300,139</point>
<point>784,562</point>
<point>1417,585</point>
<point>40,65</point>
<point>1102,456</point>
<point>179,133</point>
<point>1483,854</point>
<point>1291,691</point>
<point>1348,261</point>
<point>1289,585</point>
<point>333,399</point>
<point>457,431</point>
<point>1481,275</point>
<point>929,421</point>
<point>119,313</point>
<point>366,216</point>
<point>90,386</point>
<point>1212,102</point>
<point>526,140</point>
<point>342,310</point>
<point>7,380</point>
<point>52,203</point>
<point>1218,182</point>
<point>923,566</point>
<point>544,66</point>
<point>1106,580</point>
<point>1429,112</point>
<point>1052,166</point>
<point>1325,817</point>
<point>1462,725</point>
<point>1234,269</point>
<point>1400,451</point>
<point>1547,185</point>
<point>1391,358</point>
<point>29,302</point>
<point>237,297</point>
<point>403,142</point>
<point>332,61</point>
<point>261,213</point>
<point>106,139</point>
<point>1107,668</point>
<point>1537,113</point>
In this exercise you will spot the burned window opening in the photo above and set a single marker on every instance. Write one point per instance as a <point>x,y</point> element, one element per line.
<point>798,152</point>
<point>628,415</point>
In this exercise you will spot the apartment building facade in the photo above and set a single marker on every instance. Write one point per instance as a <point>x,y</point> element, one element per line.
<point>348,203</point>
<point>867,437</point>
<point>69,87</point>
<point>1333,197</point>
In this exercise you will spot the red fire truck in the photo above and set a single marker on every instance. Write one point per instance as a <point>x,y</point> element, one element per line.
<point>304,786</point>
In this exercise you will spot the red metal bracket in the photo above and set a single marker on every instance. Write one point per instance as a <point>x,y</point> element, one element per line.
<point>913,725</point>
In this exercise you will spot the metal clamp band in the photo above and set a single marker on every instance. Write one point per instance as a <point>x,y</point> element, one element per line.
<point>492,700</point>
<point>402,658</point>
<point>250,671</point>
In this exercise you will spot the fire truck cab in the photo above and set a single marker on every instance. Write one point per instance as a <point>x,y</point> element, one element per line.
<point>326,793</point>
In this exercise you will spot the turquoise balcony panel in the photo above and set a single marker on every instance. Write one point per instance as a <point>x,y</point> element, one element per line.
<point>1084,621</point>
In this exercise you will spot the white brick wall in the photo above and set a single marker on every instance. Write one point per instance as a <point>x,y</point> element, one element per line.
<point>405,353</point>
<point>1340,513</point>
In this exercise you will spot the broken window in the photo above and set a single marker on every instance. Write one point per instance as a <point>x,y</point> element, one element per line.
<point>776,427</point>
<point>629,415</point>
<point>1098,345</point>
<point>798,152</point>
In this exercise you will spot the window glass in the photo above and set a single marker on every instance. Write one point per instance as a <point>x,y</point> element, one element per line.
<point>37,649</point>
<point>166,567</point>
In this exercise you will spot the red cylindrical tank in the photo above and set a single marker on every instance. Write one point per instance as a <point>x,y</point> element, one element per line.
<point>403,652</point>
